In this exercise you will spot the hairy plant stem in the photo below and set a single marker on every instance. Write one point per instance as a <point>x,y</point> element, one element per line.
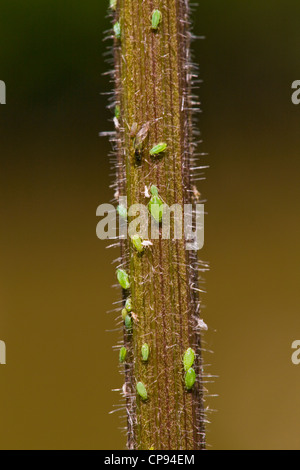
<point>153,84</point>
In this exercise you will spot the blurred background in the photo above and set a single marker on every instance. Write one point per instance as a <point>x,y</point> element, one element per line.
<point>56,276</point>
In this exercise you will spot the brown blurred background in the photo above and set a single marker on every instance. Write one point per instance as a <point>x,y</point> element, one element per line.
<point>56,276</point>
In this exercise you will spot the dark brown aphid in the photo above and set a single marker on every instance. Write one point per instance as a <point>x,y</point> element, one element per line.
<point>140,138</point>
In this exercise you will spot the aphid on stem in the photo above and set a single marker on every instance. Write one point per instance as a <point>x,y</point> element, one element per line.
<point>128,322</point>
<point>128,304</point>
<point>117,111</point>
<point>145,350</point>
<point>122,354</point>
<point>113,5</point>
<point>155,205</point>
<point>190,378</point>
<point>141,390</point>
<point>122,211</point>
<point>157,149</point>
<point>154,190</point>
<point>188,358</point>
<point>123,279</point>
<point>137,243</point>
<point>124,314</point>
<point>156,19</point>
<point>117,30</point>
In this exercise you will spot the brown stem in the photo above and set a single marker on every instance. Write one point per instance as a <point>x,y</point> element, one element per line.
<point>153,77</point>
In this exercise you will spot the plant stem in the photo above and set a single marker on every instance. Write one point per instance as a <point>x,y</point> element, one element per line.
<point>153,84</point>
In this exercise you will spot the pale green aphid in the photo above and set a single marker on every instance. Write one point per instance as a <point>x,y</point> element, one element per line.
<point>156,19</point>
<point>155,207</point>
<point>159,148</point>
<point>117,30</point>
<point>137,243</point>
<point>145,352</point>
<point>154,190</point>
<point>188,358</point>
<point>128,305</point>
<point>122,211</point>
<point>113,5</point>
<point>141,389</point>
<point>123,279</point>
<point>124,314</point>
<point>122,354</point>
<point>117,111</point>
<point>190,378</point>
<point>128,322</point>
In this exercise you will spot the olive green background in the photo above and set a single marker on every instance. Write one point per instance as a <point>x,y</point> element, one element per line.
<point>56,276</point>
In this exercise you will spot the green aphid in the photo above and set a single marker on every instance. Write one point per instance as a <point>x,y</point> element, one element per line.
<point>137,243</point>
<point>141,389</point>
<point>122,354</point>
<point>156,19</point>
<point>156,208</point>
<point>113,4</point>
<point>190,378</point>
<point>159,148</point>
<point>145,350</point>
<point>122,211</point>
<point>117,30</point>
<point>188,358</point>
<point>128,305</point>
<point>124,314</point>
<point>117,111</point>
<point>154,190</point>
<point>123,278</point>
<point>128,322</point>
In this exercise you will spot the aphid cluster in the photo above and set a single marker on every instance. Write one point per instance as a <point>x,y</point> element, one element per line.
<point>127,314</point>
<point>188,361</point>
